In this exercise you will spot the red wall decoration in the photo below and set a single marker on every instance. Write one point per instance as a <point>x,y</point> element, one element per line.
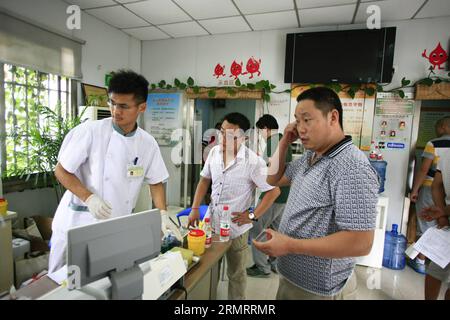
<point>437,57</point>
<point>252,67</point>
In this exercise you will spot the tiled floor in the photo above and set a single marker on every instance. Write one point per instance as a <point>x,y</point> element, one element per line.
<point>373,284</point>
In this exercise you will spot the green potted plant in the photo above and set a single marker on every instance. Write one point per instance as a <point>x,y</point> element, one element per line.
<point>44,139</point>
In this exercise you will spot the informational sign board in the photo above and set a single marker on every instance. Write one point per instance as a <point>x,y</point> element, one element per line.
<point>162,116</point>
<point>393,121</point>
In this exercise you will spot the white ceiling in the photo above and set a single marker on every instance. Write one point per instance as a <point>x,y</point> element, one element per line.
<point>166,19</point>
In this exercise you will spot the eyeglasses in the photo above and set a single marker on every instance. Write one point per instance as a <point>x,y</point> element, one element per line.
<point>229,134</point>
<point>121,106</point>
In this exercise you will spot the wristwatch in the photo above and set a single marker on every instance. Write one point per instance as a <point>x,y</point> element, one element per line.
<point>251,215</point>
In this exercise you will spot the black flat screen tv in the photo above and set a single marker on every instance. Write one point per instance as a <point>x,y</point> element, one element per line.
<point>349,56</point>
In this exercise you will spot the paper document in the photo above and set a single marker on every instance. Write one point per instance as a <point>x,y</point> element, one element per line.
<point>59,276</point>
<point>435,245</point>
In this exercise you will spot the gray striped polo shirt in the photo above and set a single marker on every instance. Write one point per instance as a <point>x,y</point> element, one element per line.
<point>338,192</point>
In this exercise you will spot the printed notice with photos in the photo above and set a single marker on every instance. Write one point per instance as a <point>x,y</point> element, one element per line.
<point>435,245</point>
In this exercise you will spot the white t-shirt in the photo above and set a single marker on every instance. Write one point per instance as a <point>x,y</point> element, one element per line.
<point>234,185</point>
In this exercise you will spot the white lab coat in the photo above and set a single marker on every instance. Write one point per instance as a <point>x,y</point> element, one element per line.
<point>99,156</point>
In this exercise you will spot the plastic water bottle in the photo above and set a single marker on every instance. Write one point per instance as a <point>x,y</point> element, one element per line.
<point>394,249</point>
<point>225,222</point>
<point>208,231</point>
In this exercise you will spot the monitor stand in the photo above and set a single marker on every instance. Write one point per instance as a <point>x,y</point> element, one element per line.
<point>127,284</point>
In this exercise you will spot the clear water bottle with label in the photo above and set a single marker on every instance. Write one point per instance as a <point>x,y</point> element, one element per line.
<point>208,231</point>
<point>225,223</point>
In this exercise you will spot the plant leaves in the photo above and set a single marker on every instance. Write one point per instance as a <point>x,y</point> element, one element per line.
<point>182,86</point>
<point>427,82</point>
<point>250,86</point>
<point>259,85</point>
<point>405,82</point>
<point>190,82</point>
<point>231,92</point>
<point>369,91</point>
<point>401,93</point>
<point>237,82</point>
<point>266,97</point>
<point>176,82</point>
<point>379,88</point>
<point>211,93</point>
<point>196,89</point>
<point>351,93</point>
<point>437,81</point>
<point>168,87</point>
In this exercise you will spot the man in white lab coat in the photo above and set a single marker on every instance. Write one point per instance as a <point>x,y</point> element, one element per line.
<point>103,164</point>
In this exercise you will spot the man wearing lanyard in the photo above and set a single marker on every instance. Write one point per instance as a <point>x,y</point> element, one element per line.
<point>234,171</point>
<point>103,164</point>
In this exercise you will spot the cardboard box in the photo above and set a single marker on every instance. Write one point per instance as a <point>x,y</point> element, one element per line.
<point>44,225</point>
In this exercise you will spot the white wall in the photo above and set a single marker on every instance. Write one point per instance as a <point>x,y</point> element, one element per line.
<point>36,202</point>
<point>106,49</point>
<point>197,57</point>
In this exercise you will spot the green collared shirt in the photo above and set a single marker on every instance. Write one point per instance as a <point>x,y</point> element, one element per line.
<point>270,150</point>
<point>121,132</point>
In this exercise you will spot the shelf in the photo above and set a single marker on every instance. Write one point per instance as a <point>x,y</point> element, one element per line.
<point>439,91</point>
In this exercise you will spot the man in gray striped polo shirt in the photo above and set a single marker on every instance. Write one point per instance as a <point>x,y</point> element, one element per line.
<point>330,213</point>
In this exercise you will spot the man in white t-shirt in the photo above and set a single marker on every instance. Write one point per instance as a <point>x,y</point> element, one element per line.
<point>235,172</point>
<point>103,164</point>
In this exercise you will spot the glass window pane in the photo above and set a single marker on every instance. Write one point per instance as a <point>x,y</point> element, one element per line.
<point>63,84</point>
<point>25,90</point>
<point>18,74</point>
<point>32,78</point>
<point>53,81</point>
<point>8,73</point>
<point>43,78</point>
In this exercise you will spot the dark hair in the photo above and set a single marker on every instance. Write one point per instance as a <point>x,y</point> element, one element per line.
<point>128,81</point>
<point>267,121</point>
<point>325,99</point>
<point>445,121</point>
<point>238,119</point>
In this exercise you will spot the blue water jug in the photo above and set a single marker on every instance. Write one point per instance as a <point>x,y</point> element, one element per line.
<point>394,249</point>
<point>380,167</point>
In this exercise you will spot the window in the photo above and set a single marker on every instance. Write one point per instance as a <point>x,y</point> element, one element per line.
<point>25,90</point>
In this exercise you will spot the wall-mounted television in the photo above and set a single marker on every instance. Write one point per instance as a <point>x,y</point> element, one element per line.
<point>348,56</point>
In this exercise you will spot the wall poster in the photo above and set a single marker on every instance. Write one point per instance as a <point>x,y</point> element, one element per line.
<point>162,116</point>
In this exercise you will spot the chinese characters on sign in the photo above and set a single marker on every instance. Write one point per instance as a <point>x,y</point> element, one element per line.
<point>162,116</point>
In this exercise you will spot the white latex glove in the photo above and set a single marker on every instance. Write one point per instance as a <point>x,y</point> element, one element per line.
<point>167,226</point>
<point>98,208</point>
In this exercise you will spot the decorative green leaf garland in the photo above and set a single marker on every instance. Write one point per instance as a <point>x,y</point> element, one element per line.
<point>268,87</point>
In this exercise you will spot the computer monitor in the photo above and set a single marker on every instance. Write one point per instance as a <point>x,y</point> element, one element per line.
<point>114,248</point>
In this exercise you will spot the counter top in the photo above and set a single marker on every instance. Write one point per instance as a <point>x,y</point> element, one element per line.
<point>10,215</point>
<point>211,256</point>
